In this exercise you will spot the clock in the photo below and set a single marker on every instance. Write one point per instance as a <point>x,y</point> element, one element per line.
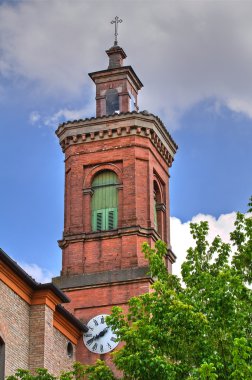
<point>100,338</point>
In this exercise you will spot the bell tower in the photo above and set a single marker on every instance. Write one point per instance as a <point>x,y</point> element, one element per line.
<point>116,197</point>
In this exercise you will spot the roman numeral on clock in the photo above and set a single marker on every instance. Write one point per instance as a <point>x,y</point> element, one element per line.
<point>94,347</point>
<point>95,322</point>
<point>90,341</point>
<point>113,339</point>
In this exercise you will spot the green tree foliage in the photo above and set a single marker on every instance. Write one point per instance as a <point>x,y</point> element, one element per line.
<point>198,328</point>
<point>99,371</point>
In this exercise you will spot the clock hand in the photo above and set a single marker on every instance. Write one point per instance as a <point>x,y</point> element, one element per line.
<point>101,333</point>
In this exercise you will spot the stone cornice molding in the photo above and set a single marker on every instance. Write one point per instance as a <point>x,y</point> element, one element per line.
<point>136,230</point>
<point>114,126</point>
<point>117,73</point>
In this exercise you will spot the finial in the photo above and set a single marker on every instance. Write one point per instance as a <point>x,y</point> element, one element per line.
<point>116,21</point>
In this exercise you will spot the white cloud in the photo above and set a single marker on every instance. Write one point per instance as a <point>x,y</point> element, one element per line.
<point>64,114</point>
<point>34,117</point>
<point>184,51</point>
<point>41,275</point>
<point>181,238</point>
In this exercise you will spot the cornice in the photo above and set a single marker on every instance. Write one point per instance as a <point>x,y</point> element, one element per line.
<point>114,126</point>
<point>66,328</point>
<point>45,297</point>
<point>111,234</point>
<point>118,73</point>
<point>15,283</point>
<point>103,279</point>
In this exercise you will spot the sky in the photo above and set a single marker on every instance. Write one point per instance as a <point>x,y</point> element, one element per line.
<point>195,61</point>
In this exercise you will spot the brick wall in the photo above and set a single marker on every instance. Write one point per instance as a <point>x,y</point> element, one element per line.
<point>31,340</point>
<point>48,348</point>
<point>60,357</point>
<point>14,323</point>
<point>136,160</point>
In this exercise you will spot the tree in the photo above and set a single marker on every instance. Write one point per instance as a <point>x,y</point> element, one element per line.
<point>196,329</point>
<point>200,329</point>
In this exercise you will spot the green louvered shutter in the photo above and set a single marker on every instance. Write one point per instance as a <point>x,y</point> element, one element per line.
<point>104,201</point>
<point>111,218</point>
<point>98,220</point>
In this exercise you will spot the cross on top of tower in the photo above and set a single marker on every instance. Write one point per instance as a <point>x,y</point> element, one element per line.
<point>116,21</point>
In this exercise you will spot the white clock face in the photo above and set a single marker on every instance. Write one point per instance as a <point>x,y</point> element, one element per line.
<point>99,339</point>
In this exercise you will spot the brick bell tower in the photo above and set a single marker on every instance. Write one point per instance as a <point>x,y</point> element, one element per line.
<point>116,197</point>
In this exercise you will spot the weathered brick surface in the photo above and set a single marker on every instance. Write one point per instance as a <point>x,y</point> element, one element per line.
<point>14,327</point>
<point>140,153</point>
<point>89,302</point>
<point>48,347</point>
<point>138,163</point>
<point>30,339</point>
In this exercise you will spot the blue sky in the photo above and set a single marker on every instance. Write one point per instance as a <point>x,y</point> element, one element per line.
<point>195,60</point>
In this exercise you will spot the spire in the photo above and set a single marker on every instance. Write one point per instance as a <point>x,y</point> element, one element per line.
<point>116,54</point>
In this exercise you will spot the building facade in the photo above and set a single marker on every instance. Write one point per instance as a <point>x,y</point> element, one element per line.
<point>116,198</point>
<point>35,330</point>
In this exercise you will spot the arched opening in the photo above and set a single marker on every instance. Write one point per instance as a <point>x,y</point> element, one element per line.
<point>105,201</point>
<point>157,209</point>
<point>70,350</point>
<point>2,359</point>
<point>112,102</point>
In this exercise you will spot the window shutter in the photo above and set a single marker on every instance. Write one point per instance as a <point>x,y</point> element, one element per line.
<point>104,201</point>
<point>111,218</point>
<point>98,220</point>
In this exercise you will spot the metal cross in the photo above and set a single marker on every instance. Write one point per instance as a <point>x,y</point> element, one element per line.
<point>116,21</point>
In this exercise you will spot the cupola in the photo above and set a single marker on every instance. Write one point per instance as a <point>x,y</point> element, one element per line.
<point>116,87</point>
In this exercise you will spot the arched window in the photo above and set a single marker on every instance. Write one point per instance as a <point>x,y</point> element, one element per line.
<point>2,359</point>
<point>105,201</point>
<point>157,210</point>
<point>112,102</point>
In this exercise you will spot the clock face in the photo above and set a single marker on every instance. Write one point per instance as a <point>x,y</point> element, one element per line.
<point>99,339</point>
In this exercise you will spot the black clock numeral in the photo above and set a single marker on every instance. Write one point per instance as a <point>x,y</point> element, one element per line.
<point>94,347</point>
<point>88,335</point>
<point>90,341</point>
<point>102,319</point>
<point>95,322</point>
<point>101,348</point>
<point>91,328</point>
<point>113,339</point>
<point>109,346</point>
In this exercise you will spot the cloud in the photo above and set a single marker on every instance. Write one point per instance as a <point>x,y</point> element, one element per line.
<point>34,117</point>
<point>183,51</point>
<point>181,238</point>
<point>41,275</point>
<point>65,114</point>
